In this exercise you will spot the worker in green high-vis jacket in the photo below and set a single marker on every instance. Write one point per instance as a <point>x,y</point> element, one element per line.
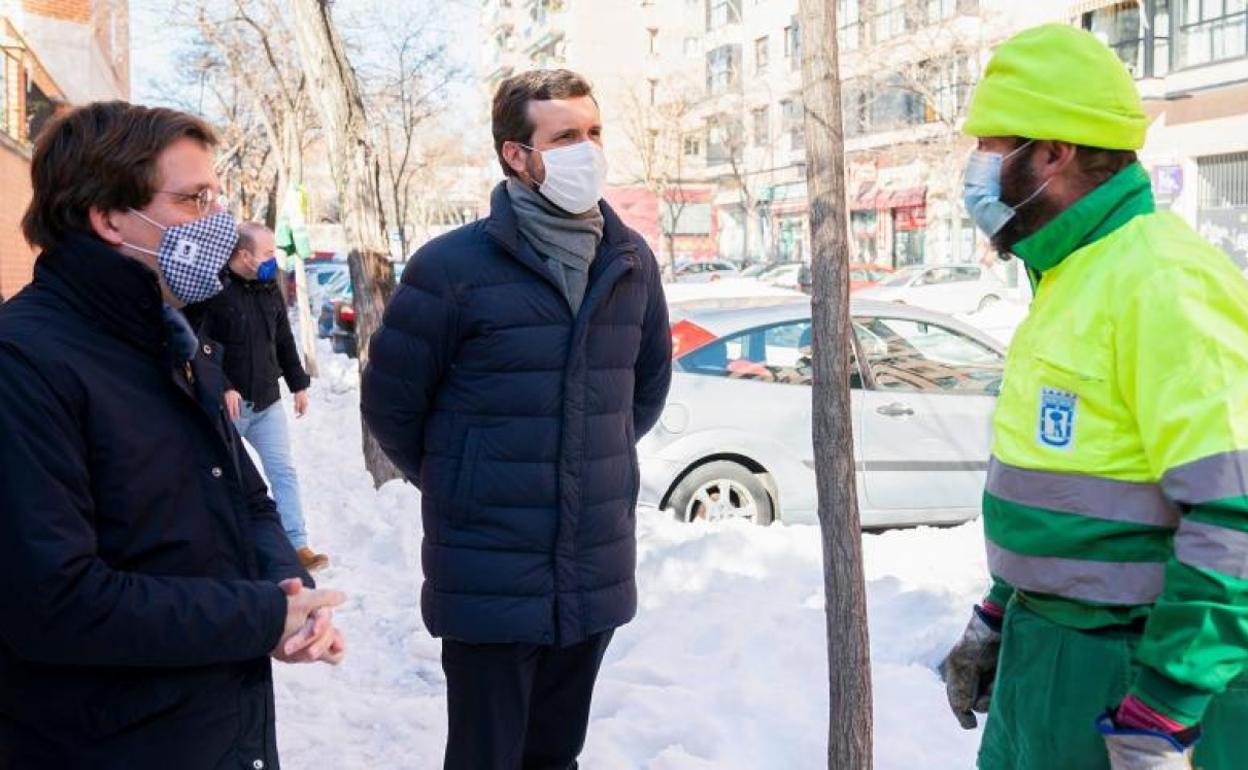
<point>1115,634</point>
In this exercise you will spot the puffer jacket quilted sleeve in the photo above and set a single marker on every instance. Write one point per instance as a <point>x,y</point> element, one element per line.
<point>653,371</point>
<point>408,356</point>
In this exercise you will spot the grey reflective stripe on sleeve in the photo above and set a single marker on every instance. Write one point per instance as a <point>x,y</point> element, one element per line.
<point>1104,582</point>
<point>1216,477</point>
<point>1096,498</point>
<point>1214,548</point>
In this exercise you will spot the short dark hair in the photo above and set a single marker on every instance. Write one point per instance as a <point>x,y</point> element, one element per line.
<point>511,103</point>
<point>1097,165</point>
<point>101,155</point>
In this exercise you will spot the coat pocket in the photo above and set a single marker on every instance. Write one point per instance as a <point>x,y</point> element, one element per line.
<point>461,505</point>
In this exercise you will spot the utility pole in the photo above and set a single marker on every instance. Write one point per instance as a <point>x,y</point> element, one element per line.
<point>849,663</point>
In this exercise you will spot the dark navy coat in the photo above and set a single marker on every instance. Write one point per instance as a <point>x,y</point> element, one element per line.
<point>139,551</point>
<point>518,422</point>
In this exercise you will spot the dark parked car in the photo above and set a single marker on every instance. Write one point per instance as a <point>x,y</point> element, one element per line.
<point>337,319</point>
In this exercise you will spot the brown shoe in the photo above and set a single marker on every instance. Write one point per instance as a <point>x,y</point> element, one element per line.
<point>311,560</point>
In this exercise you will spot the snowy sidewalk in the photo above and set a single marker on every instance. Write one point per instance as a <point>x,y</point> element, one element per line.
<point>723,669</point>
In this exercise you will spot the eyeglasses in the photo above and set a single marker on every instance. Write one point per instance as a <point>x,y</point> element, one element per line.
<point>204,199</point>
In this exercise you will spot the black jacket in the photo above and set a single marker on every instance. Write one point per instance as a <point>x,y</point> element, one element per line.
<point>517,419</point>
<point>139,551</point>
<point>248,320</point>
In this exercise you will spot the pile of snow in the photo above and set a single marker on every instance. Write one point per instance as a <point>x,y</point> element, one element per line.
<point>724,667</point>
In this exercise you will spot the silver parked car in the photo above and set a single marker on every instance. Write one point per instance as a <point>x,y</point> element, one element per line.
<point>734,439</point>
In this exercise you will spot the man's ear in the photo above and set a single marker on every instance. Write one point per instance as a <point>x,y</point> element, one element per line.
<point>1055,157</point>
<point>103,227</point>
<point>515,157</point>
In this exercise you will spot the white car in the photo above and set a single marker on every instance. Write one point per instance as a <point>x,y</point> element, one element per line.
<point>785,275</point>
<point>944,288</point>
<point>734,439</point>
<point>705,271</point>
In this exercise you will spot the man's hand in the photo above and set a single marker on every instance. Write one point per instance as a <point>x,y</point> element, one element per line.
<point>971,666</point>
<point>310,635</point>
<point>301,403</point>
<point>233,404</point>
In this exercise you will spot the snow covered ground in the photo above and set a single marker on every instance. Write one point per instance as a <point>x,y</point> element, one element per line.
<point>723,669</point>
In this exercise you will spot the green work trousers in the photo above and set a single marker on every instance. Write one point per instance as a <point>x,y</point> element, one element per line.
<point>1052,684</point>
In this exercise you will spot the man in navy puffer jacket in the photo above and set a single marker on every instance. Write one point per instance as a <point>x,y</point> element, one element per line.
<point>518,363</point>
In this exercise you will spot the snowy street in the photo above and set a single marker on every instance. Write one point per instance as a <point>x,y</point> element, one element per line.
<point>724,667</point>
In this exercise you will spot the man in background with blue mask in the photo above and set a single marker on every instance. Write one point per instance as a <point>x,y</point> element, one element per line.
<point>518,363</point>
<point>1115,633</point>
<point>249,322</point>
<point>147,579</point>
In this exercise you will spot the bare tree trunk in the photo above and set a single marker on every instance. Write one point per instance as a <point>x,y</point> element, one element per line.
<point>336,94</point>
<point>849,665</point>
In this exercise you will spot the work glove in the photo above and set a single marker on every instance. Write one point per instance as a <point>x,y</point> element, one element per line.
<point>1137,748</point>
<point>971,666</point>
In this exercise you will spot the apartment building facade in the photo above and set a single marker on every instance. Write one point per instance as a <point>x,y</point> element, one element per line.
<point>908,69</point>
<point>52,53</point>
<point>1190,58</point>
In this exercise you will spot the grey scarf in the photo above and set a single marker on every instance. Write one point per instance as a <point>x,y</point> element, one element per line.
<point>566,241</point>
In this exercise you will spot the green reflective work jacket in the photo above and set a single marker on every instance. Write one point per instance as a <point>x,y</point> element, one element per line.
<point>1118,488</point>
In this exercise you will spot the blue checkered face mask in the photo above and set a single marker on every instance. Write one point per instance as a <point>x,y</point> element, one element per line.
<point>191,256</point>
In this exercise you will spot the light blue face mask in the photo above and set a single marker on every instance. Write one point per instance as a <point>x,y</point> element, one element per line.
<point>981,190</point>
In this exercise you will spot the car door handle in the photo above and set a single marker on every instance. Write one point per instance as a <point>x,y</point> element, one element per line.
<point>895,409</point>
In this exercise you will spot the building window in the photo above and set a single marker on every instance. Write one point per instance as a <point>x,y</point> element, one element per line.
<point>762,126</point>
<point>794,123</point>
<point>654,40</point>
<point>889,19</point>
<point>1119,27</point>
<point>723,69</point>
<point>720,13</point>
<point>654,90</point>
<point>895,104</point>
<point>1212,31</point>
<point>692,145</point>
<point>762,54</point>
<point>1143,44</point>
<point>1222,202</point>
<point>849,18</point>
<point>856,107</point>
<point>723,139</point>
<point>793,44</point>
<point>691,47</point>
<point>949,81</point>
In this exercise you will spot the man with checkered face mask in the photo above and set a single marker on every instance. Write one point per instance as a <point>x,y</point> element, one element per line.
<point>148,578</point>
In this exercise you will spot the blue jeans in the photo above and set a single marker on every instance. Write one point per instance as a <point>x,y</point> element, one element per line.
<point>267,433</point>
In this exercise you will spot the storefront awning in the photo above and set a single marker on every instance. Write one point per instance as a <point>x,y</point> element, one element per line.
<point>864,199</point>
<point>906,198</point>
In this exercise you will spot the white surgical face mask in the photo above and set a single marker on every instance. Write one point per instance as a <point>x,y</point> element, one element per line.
<point>575,175</point>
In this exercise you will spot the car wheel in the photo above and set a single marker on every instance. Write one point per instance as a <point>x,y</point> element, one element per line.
<point>719,491</point>
<point>988,302</point>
